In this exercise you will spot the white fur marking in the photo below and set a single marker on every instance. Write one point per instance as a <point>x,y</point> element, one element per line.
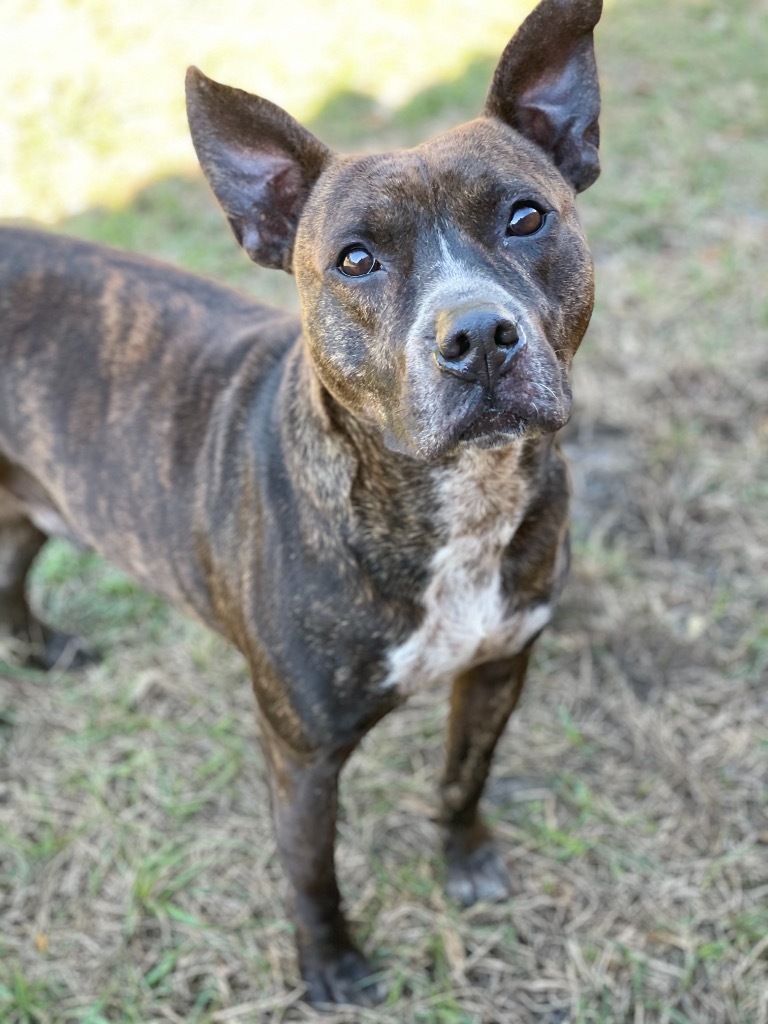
<point>467,619</point>
<point>464,281</point>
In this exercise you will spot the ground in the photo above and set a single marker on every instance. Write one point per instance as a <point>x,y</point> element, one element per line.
<point>138,877</point>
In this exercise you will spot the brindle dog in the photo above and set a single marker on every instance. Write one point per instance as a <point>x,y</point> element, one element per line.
<point>366,500</point>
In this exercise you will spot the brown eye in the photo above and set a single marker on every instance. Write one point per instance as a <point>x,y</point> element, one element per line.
<point>525,219</point>
<point>357,262</point>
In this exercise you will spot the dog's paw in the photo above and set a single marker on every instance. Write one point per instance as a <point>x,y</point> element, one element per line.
<point>348,979</point>
<point>475,875</point>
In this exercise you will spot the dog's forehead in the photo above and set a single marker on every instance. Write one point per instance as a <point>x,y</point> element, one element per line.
<point>457,171</point>
<point>485,146</point>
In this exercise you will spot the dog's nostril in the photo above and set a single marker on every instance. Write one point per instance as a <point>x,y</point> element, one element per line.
<point>455,346</point>
<point>506,335</point>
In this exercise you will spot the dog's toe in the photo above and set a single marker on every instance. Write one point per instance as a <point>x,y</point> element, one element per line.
<point>349,979</point>
<point>477,875</point>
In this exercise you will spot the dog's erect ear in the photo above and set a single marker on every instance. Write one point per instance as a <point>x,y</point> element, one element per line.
<point>259,161</point>
<point>546,87</point>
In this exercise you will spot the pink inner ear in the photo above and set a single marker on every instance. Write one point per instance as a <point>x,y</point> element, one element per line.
<point>272,193</point>
<point>533,122</point>
<point>286,186</point>
<point>540,107</point>
<point>558,88</point>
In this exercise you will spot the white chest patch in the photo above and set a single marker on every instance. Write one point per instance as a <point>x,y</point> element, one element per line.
<point>467,618</point>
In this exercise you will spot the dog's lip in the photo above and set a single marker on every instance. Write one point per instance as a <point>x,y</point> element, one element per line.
<point>489,421</point>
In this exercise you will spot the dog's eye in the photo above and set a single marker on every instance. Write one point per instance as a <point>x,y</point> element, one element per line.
<point>525,219</point>
<point>357,262</point>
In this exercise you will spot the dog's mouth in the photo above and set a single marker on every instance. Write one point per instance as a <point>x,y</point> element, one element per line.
<point>491,428</point>
<point>497,421</point>
<point>483,420</point>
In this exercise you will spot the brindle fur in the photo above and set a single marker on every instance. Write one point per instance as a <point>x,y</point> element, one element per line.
<point>319,490</point>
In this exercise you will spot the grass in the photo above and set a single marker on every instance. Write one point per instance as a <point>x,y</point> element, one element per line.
<point>138,877</point>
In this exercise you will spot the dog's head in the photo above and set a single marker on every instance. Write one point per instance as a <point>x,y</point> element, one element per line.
<point>446,288</point>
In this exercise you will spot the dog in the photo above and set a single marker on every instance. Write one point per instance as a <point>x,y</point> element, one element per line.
<point>366,500</point>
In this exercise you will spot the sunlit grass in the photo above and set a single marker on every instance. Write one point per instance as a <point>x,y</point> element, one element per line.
<point>93,89</point>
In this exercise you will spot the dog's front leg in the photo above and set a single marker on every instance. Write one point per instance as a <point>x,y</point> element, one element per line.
<point>304,792</point>
<point>481,702</point>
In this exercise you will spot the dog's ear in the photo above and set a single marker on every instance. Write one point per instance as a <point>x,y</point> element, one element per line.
<point>546,86</point>
<point>259,161</point>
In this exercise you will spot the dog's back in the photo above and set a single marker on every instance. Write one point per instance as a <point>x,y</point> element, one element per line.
<point>98,336</point>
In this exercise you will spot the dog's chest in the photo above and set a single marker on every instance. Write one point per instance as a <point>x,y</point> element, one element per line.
<point>467,618</point>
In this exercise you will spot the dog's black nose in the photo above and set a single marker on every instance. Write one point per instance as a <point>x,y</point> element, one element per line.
<point>476,343</point>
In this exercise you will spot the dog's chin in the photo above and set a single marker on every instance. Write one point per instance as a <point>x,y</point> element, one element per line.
<point>487,431</point>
